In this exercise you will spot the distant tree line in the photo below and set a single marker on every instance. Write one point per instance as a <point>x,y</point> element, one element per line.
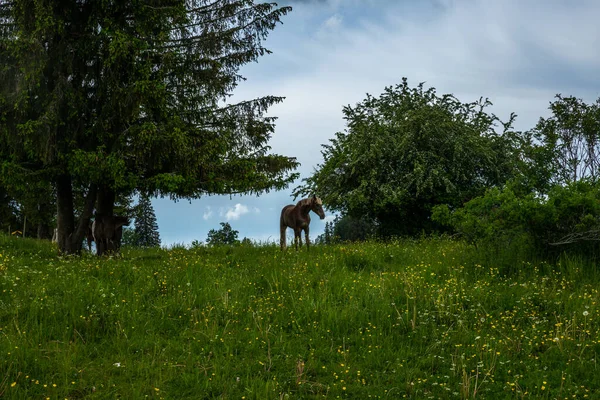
<point>347,229</point>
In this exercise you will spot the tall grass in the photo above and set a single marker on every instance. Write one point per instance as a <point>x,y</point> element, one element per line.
<point>409,319</point>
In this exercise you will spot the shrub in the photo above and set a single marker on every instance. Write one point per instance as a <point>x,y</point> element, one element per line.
<point>568,218</point>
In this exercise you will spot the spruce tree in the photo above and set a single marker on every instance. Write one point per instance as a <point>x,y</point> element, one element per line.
<point>146,228</point>
<point>101,99</point>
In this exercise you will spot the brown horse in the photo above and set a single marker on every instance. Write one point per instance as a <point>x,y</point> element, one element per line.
<point>297,218</point>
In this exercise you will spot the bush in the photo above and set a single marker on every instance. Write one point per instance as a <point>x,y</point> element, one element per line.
<point>568,218</point>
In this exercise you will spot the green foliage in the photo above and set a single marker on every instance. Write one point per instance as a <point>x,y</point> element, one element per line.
<point>407,151</point>
<point>565,147</point>
<point>29,196</point>
<point>224,236</point>
<point>347,229</point>
<point>414,319</point>
<point>196,244</point>
<point>553,203</point>
<point>129,238</point>
<point>146,227</point>
<point>247,242</point>
<point>567,219</point>
<point>8,211</point>
<point>497,221</point>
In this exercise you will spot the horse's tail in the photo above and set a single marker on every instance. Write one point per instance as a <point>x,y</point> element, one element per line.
<point>283,227</point>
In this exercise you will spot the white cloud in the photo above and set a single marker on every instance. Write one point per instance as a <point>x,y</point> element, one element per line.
<point>236,212</point>
<point>332,23</point>
<point>208,213</point>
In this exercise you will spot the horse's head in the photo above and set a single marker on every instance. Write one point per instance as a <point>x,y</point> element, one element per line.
<point>316,205</point>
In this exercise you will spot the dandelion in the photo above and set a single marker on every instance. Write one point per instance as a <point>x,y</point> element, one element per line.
<point>585,313</point>
<point>13,384</point>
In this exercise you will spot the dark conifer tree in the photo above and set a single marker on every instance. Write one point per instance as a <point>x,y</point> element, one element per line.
<point>146,227</point>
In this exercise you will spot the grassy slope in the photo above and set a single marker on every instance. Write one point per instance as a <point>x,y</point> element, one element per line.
<point>411,319</point>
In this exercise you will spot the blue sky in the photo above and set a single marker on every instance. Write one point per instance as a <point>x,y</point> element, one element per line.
<point>330,53</point>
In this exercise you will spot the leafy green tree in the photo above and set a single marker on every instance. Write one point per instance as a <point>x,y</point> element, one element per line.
<point>407,151</point>
<point>108,98</point>
<point>565,147</point>
<point>225,235</point>
<point>146,227</point>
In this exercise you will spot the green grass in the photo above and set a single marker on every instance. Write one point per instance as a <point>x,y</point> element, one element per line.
<point>411,319</point>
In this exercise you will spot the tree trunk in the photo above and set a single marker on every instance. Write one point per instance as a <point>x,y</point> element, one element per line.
<point>44,218</point>
<point>70,237</point>
<point>105,206</point>
<point>65,219</point>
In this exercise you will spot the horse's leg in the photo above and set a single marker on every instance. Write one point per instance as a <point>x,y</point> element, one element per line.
<point>307,240</point>
<point>297,238</point>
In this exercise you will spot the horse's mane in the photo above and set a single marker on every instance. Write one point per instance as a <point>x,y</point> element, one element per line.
<point>303,202</point>
<point>308,201</point>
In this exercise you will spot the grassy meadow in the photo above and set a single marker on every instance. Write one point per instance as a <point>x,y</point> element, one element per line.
<point>410,319</point>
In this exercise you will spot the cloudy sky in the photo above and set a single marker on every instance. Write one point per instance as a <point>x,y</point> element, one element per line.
<point>330,53</point>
